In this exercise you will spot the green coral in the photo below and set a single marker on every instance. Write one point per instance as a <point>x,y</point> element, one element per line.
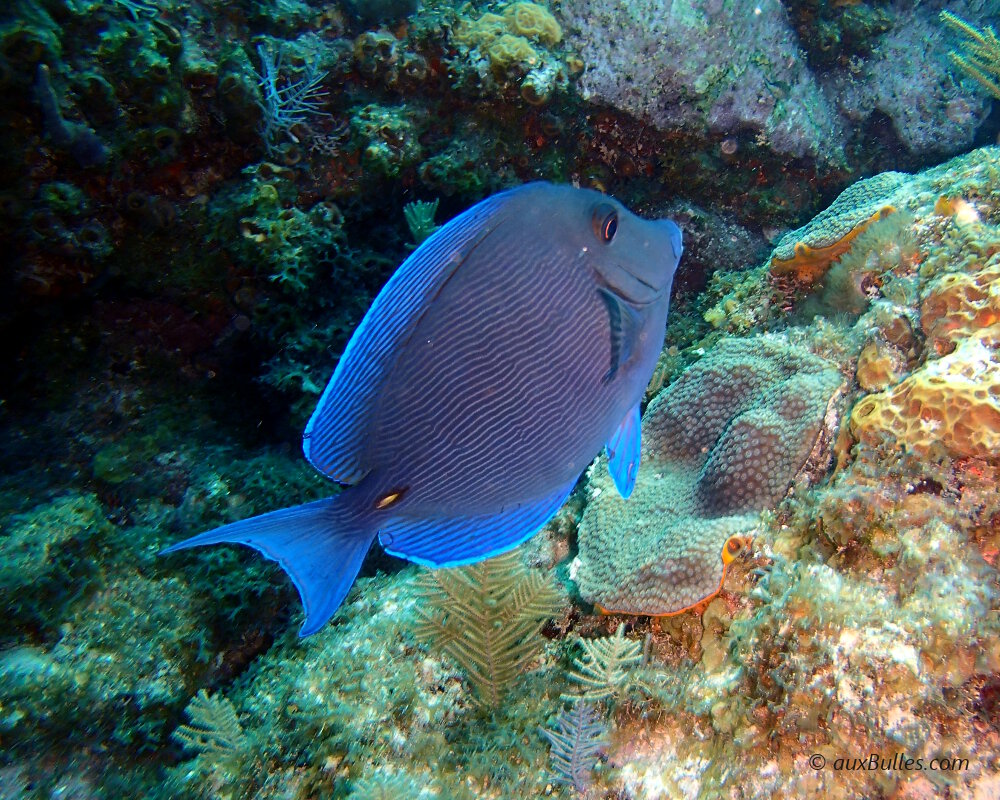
<point>389,137</point>
<point>603,671</point>
<point>50,558</point>
<point>420,219</point>
<point>979,56</point>
<point>384,787</point>
<point>213,729</point>
<point>125,655</point>
<point>461,167</point>
<point>719,445</point>
<point>488,618</point>
<point>829,32</point>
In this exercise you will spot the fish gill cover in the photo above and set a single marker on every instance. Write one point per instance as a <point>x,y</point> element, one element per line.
<point>182,279</point>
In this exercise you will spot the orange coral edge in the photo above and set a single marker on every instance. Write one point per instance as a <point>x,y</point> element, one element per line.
<point>809,264</point>
<point>731,550</point>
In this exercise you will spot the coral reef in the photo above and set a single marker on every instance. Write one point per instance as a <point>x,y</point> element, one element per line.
<point>720,444</point>
<point>195,224</point>
<point>861,659</point>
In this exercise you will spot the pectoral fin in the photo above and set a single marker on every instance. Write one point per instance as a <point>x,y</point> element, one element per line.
<point>623,450</point>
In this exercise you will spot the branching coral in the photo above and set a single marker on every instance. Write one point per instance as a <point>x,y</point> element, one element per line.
<point>603,672</point>
<point>487,617</point>
<point>285,103</point>
<point>979,57</point>
<point>214,728</point>
<point>578,739</point>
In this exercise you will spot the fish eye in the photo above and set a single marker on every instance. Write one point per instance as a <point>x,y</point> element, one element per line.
<point>605,222</point>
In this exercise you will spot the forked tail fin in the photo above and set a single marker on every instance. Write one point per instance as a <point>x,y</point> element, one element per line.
<point>320,545</point>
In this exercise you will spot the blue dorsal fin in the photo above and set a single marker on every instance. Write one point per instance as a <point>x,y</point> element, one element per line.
<point>625,326</point>
<point>465,540</point>
<point>624,450</point>
<point>335,437</point>
<point>320,545</point>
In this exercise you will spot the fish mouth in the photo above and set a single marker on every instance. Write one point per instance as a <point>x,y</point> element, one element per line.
<point>630,287</point>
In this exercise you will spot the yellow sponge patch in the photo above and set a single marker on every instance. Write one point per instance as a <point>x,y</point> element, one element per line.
<point>953,401</point>
<point>509,50</point>
<point>507,40</point>
<point>533,21</point>
<point>959,305</point>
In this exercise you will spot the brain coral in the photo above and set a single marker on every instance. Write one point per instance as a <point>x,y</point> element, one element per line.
<point>953,402</point>
<point>807,252</point>
<point>719,445</point>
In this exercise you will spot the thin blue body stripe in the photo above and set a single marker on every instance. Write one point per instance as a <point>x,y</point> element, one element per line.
<point>337,431</point>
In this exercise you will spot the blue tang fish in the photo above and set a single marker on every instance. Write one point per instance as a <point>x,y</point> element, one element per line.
<point>492,367</point>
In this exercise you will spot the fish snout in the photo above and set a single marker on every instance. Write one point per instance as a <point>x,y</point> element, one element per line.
<point>675,237</point>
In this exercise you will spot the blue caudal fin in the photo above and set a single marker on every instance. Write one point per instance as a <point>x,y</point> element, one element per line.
<point>624,451</point>
<point>464,540</point>
<point>320,545</point>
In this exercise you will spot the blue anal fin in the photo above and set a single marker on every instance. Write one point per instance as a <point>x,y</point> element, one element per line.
<point>465,540</point>
<point>623,450</point>
<point>624,328</point>
<point>320,545</point>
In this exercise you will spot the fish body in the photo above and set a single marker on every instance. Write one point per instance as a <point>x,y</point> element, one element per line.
<point>496,362</point>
